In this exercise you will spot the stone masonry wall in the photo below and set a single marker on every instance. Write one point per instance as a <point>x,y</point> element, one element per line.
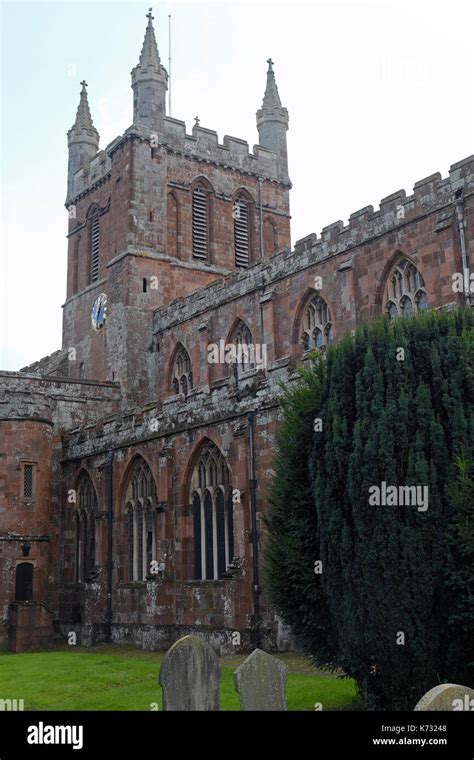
<point>170,430</point>
<point>34,411</point>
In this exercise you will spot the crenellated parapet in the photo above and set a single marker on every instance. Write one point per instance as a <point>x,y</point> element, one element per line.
<point>54,400</point>
<point>93,172</point>
<point>174,416</point>
<point>23,399</point>
<point>233,153</point>
<point>432,195</point>
<point>88,166</point>
<point>202,145</point>
<point>395,210</point>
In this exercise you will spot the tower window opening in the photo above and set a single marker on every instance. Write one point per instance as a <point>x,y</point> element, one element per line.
<point>200,224</point>
<point>241,234</point>
<point>95,242</point>
<point>28,481</point>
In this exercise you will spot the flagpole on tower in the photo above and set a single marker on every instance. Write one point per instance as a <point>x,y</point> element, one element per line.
<point>169,63</point>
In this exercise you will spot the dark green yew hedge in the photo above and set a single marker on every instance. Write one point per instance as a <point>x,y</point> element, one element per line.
<point>393,604</point>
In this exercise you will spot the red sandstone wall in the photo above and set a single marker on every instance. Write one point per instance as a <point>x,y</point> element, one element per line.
<point>24,441</point>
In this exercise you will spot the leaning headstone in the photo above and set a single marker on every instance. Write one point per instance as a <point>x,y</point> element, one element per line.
<point>260,682</point>
<point>447,697</point>
<point>189,676</point>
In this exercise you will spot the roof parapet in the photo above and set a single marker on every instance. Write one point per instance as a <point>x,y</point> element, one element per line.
<point>203,144</point>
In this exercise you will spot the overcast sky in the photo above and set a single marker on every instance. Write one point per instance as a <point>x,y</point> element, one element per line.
<point>380,95</point>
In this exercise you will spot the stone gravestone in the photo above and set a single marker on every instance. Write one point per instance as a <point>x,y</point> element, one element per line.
<point>447,697</point>
<point>260,682</point>
<point>189,676</point>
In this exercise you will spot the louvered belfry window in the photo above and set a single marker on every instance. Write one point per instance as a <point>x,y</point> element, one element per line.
<point>241,233</point>
<point>200,224</point>
<point>95,243</point>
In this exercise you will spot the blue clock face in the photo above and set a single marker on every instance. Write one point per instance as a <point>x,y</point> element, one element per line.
<point>99,311</point>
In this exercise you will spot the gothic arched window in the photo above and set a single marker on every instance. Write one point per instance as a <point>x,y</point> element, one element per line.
<point>86,508</point>
<point>140,507</point>
<point>241,213</point>
<point>182,376</point>
<point>405,290</point>
<point>244,349</point>
<point>211,498</point>
<point>317,325</point>
<point>201,221</point>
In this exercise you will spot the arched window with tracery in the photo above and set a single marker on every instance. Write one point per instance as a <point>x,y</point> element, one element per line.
<point>213,519</point>
<point>405,292</point>
<point>182,375</point>
<point>244,352</point>
<point>86,509</point>
<point>317,324</point>
<point>141,509</point>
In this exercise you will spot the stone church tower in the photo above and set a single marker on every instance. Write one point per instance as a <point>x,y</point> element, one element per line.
<point>151,217</point>
<point>135,461</point>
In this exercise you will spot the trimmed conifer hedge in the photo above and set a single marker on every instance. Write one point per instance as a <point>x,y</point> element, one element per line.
<point>383,590</point>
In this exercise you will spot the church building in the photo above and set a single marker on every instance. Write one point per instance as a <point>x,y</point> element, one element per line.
<point>135,461</point>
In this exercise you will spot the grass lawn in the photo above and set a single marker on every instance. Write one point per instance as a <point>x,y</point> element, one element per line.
<point>125,678</point>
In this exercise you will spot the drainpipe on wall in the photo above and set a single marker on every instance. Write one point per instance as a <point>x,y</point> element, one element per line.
<point>253,511</point>
<point>465,267</point>
<point>260,203</point>
<point>109,544</point>
<point>261,290</point>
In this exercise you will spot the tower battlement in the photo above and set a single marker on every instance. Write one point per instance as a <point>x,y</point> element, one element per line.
<point>201,145</point>
<point>90,175</point>
<point>89,166</point>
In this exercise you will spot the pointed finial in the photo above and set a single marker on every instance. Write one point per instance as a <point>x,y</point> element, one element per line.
<point>83,116</point>
<point>149,55</point>
<point>271,99</point>
<point>272,123</point>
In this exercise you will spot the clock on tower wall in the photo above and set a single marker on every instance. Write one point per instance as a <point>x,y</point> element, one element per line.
<point>97,322</point>
<point>99,312</point>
